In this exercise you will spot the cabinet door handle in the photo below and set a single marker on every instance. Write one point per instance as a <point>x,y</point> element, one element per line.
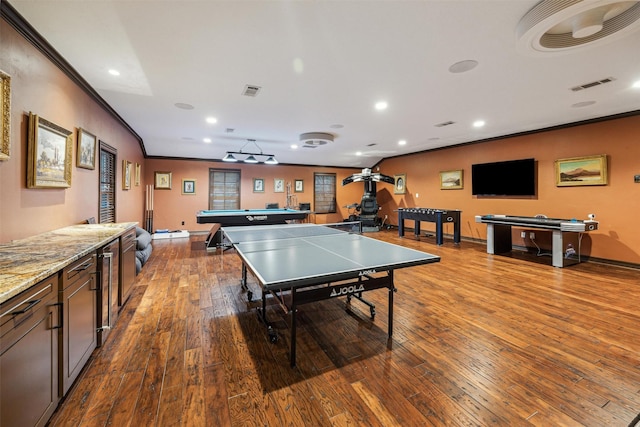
<point>30,305</point>
<point>58,305</point>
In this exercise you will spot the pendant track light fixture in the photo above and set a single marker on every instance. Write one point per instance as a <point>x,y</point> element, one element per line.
<point>234,156</point>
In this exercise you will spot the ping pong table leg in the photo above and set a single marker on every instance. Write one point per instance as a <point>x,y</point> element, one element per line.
<point>294,310</point>
<point>392,289</point>
<point>243,283</point>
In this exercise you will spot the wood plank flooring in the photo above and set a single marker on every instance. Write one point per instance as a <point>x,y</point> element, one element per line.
<point>478,340</point>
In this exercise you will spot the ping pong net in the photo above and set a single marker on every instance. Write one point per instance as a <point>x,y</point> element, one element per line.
<point>234,235</point>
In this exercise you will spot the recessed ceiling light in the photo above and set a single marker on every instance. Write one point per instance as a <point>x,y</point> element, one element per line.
<point>636,85</point>
<point>114,72</point>
<point>183,106</point>
<point>381,105</point>
<point>207,140</point>
<point>211,120</point>
<point>294,146</point>
<point>358,153</point>
<point>463,66</point>
<point>478,123</point>
<point>402,142</point>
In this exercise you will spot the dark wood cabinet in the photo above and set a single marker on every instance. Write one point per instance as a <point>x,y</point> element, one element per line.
<point>29,322</point>
<point>78,295</point>
<point>127,265</point>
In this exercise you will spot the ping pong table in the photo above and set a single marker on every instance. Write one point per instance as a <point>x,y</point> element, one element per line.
<point>303,263</point>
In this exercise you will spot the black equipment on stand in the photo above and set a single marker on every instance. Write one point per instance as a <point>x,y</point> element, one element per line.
<point>367,211</point>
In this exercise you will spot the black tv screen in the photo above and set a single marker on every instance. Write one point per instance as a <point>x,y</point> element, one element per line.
<point>511,178</point>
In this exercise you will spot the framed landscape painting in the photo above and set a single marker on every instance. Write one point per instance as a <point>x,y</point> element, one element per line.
<point>49,154</point>
<point>451,180</point>
<point>577,171</point>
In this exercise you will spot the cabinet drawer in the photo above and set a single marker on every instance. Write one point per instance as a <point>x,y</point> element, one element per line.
<point>21,307</point>
<point>128,238</point>
<point>78,270</point>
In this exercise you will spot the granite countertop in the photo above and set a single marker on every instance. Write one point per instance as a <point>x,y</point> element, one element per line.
<point>25,262</point>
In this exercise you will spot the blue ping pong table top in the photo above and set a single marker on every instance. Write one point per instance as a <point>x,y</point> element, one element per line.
<point>285,256</point>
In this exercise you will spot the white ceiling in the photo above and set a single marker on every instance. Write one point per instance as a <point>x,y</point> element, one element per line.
<point>326,63</point>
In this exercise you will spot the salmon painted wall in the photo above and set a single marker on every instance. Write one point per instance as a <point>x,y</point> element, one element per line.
<point>615,204</point>
<point>171,207</point>
<point>38,86</point>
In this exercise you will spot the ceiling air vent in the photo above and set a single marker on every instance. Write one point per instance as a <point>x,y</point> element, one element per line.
<point>251,90</point>
<point>315,139</point>
<point>592,84</point>
<point>443,124</point>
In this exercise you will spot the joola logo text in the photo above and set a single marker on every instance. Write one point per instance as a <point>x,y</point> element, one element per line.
<point>346,290</point>
<point>365,272</point>
<point>256,218</point>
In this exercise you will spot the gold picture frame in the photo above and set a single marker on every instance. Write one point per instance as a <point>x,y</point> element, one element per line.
<point>578,171</point>
<point>49,154</point>
<point>189,186</point>
<point>162,180</point>
<point>5,115</point>
<point>126,175</point>
<point>451,180</point>
<point>400,186</point>
<point>136,179</point>
<point>86,152</point>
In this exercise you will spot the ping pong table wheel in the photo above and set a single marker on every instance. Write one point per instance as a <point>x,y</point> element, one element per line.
<point>373,312</point>
<point>249,295</point>
<point>273,335</point>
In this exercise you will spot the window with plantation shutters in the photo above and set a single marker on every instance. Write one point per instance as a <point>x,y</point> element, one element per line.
<point>224,189</point>
<point>107,208</point>
<point>324,192</point>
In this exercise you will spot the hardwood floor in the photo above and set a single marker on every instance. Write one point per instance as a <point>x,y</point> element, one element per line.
<point>478,340</point>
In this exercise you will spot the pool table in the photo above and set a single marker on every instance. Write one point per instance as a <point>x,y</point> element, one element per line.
<point>250,216</point>
<point>227,218</point>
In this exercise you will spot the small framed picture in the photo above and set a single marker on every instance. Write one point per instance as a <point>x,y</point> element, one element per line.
<point>278,185</point>
<point>86,155</point>
<point>258,185</point>
<point>451,180</point>
<point>401,184</point>
<point>162,181</point>
<point>137,174</point>
<point>126,175</point>
<point>5,114</point>
<point>299,186</point>
<point>188,186</point>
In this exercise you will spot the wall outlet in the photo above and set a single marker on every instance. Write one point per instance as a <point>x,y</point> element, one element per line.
<point>532,236</point>
<point>417,195</point>
<point>182,222</point>
<point>523,234</point>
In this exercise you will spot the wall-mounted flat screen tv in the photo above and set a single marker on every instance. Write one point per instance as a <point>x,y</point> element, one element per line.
<point>510,178</point>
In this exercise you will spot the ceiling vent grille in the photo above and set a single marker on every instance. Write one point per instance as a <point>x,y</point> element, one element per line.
<point>443,124</point>
<point>592,84</point>
<point>316,138</point>
<point>310,146</point>
<point>251,90</point>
